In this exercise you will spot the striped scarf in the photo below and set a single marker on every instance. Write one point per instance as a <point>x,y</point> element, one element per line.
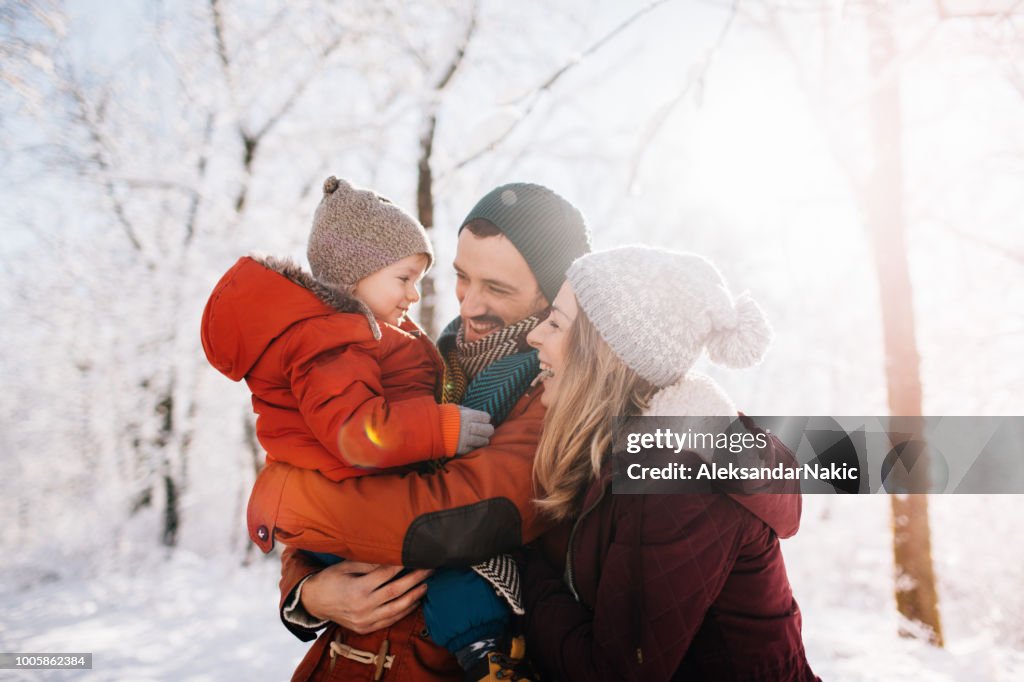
<point>491,373</point>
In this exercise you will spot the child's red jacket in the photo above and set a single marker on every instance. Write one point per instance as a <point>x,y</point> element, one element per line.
<point>333,390</point>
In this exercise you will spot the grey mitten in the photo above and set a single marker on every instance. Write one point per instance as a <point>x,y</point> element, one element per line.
<point>475,430</point>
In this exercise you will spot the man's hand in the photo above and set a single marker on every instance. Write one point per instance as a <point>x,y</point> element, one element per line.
<point>354,595</point>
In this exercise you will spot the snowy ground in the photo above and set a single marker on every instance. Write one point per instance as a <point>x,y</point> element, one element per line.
<point>184,619</point>
<point>840,565</point>
<point>190,618</point>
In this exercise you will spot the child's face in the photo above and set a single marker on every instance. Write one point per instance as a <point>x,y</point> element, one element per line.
<point>389,292</point>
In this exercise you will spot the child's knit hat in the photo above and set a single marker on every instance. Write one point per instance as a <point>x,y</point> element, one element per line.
<point>658,310</point>
<point>356,233</point>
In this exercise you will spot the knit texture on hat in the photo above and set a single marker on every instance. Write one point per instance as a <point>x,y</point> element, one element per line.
<point>547,230</point>
<point>356,233</point>
<point>658,310</point>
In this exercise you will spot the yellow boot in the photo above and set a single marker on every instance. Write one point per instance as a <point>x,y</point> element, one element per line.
<point>502,666</point>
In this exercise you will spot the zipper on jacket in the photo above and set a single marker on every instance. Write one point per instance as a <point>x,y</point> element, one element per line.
<point>572,536</point>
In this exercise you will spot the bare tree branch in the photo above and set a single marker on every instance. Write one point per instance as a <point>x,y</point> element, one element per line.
<point>534,95</point>
<point>696,77</point>
<point>1017,256</point>
<point>201,164</point>
<point>945,13</point>
<point>92,129</point>
<point>300,87</point>
<point>594,47</point>
<point>1016,79</point>
<point>818,104</point>
<point>218,33</point>
<point>460,52</point>
<point>251,141</point>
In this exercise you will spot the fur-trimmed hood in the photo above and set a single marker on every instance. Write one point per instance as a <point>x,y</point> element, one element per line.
<point>256,301</point>
<point>339,300</point>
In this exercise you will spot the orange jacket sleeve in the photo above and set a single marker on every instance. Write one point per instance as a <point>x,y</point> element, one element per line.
<point>340,396</point>
<point>478,506</point>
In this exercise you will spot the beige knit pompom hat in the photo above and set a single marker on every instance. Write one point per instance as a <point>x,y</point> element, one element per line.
<point>356,233</point>
<point>658,310</point>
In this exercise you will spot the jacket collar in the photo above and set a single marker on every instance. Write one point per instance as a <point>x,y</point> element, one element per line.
<point>337,299</point>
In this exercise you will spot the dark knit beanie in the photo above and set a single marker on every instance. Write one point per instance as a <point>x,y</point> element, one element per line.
<point>356,233</point>
<point>547,230</point>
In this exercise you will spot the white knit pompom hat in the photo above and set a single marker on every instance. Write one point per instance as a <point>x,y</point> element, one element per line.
<point>658,310</point>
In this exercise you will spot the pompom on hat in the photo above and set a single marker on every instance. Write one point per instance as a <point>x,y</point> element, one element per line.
<point>356,233</point>
<point>658,310</point>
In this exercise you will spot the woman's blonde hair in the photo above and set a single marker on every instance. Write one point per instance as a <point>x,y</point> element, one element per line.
<point>595,388</point>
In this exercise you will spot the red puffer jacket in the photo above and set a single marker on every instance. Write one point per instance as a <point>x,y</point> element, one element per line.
<point>668,587</point>
<point>333,390</point>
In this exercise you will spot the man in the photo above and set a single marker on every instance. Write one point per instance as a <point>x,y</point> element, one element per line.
<point>513,251</point>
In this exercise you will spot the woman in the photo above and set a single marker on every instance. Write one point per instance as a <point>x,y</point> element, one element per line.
<point>651,587</point>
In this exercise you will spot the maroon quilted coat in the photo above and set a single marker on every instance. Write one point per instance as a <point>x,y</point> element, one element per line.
<point>670,587</point>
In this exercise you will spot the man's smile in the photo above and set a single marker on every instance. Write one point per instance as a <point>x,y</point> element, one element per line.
<point>481,328</point>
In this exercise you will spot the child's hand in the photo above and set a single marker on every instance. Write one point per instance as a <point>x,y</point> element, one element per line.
<point>475,430</point>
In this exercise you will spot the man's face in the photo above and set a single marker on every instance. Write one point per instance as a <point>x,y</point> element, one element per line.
<point>494,285</point>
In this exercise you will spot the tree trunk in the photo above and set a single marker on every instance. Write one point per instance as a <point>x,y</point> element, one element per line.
<point>425,174</point>
<point>916,597</point>
<point>165,443</point>
<point>425,213</point>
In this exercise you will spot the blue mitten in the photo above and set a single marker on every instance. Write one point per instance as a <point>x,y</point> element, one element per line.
<point>461,608</point>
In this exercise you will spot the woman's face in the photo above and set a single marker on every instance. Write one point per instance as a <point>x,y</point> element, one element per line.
<point>550,338</point>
